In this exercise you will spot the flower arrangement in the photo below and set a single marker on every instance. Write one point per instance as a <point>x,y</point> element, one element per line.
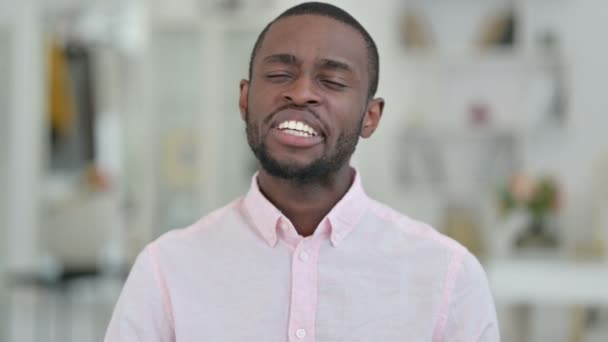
<point>538,196</point>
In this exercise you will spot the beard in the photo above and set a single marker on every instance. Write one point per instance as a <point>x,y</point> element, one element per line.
<point>317,170</point>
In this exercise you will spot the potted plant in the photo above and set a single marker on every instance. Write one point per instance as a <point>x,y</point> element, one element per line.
<point>540,199</point>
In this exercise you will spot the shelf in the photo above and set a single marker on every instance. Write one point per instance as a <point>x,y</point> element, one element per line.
<point>548,281</point>
<point>461,133</point>
<point>494,60</point>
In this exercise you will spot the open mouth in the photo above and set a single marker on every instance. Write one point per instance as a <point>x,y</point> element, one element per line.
<point>297,128</point>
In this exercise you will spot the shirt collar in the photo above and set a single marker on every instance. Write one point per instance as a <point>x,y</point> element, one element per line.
<point>341,219</point>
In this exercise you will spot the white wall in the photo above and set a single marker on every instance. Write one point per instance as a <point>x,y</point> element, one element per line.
<point>23,138</point>
<point>574,153</point>
<point>4,84</point>
<point>4,96</point>
<point>25,135</point>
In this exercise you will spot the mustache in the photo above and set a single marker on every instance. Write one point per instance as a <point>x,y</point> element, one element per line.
<point>270,117</point>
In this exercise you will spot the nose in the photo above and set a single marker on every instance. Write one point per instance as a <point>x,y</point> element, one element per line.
<point>302,92</point>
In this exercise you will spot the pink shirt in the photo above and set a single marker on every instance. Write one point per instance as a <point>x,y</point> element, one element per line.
<point>243,273</point>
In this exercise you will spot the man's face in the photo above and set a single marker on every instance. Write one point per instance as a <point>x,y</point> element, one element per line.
<point>306,103</point>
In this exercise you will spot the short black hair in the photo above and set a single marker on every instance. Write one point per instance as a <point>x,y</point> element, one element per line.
<point>336,13</point>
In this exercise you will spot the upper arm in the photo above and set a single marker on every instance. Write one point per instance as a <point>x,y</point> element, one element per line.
<point>471,314</point>
<point>143,311</point>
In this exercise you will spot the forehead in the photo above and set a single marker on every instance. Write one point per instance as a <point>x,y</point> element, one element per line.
<point>314,37</point>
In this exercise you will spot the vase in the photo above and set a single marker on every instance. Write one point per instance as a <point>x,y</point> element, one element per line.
<point>540,233</point>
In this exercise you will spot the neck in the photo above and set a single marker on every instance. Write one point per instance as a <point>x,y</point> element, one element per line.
<point>306,204</point>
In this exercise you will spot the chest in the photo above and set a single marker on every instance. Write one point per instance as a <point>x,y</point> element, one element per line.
<point>306,297</point>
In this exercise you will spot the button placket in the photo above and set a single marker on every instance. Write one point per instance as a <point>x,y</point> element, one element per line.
<point>304,256</point>
<point>300,333</point>
<point>303,291</point>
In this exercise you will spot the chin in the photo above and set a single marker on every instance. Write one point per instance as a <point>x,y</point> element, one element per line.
<point>294,166</point>
<point>293,160</point>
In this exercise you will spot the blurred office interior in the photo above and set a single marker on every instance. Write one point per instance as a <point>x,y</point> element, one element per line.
<point>119,121</point>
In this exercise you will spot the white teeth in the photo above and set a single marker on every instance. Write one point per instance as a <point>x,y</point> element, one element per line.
<point>297,126</point>
<point>297,133</point>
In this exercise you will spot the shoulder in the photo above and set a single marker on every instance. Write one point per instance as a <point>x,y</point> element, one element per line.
<point>462,271</point>
<point>205,228</point>
<point>414,231</point>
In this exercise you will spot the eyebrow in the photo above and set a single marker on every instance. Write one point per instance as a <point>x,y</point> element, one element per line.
<point>289,59</point>
<point>283,58</point>
<point>333,64</point>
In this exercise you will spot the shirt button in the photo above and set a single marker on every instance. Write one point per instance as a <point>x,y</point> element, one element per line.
<point>300,333</point>
<point>304,256</point>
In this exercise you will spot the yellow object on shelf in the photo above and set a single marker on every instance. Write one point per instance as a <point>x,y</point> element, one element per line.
<point>60,96</point>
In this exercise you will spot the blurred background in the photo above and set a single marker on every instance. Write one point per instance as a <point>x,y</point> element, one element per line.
<point>119,121</point>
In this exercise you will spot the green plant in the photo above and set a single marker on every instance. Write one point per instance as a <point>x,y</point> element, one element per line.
<point>538,196</point>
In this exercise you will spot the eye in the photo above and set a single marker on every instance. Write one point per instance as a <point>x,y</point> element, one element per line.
<point>278,77</point>
<point>332,84</point>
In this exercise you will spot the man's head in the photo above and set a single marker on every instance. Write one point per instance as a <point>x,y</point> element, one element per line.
<point>313,73</point>
<point>336,13</point>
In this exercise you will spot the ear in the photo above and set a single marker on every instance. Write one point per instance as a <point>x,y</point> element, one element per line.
<point>244,92</point>
<point>372,117</point>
